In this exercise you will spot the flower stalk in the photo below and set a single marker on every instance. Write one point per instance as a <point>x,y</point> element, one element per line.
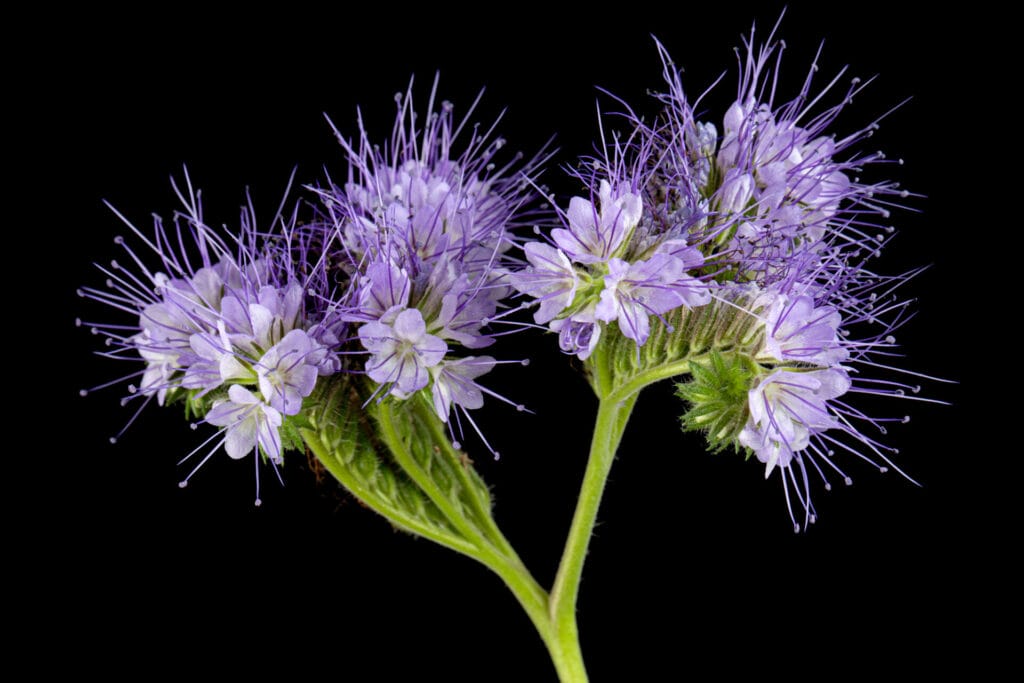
<point>439,497</point>
<point>612,416</point>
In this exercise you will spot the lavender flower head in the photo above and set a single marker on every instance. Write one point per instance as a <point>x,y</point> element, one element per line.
<point>748,240</point>
<point>227,326</point>
<point>417,242</point>
<point>610,263</point>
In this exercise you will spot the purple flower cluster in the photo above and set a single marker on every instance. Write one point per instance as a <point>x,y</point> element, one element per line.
<point>403,272</point>
<point>789,219</point>
<point>809,363</point>
<point>603,267</point>
<point>776,185</point>
<point>418,240</point>
<point>224,327</point>
<point>398,273</point>
<point>681,215</point>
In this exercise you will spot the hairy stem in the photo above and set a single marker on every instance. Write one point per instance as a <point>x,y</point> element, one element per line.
<point>612,416</point>
<point>423,473</point>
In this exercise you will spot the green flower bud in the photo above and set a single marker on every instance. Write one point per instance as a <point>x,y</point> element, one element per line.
<point>717,396</point>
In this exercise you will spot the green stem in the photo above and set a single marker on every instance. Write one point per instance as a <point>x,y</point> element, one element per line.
<point>565,654</point>
<point>489,545</point>
<point>649,377</point>
<point>612,415</point>
<point>462,517</point>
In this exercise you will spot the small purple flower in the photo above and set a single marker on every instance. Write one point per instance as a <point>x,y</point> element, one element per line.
<point>161,358</point>
<point>736,191</point>
<point>214,362</point>
<point>797,330</point>
<point>325,342</point>
<point>287,372</point>
<point>248,422</point>
<point>285,304</point>
<point>384,286</point>
<point>550,278</point>
<point>594,236</point>
<point>579,334</point>
<point>249,326</point>
<point>168,325</point>
<point>402,351</point>
<point>454,383</point>
<point>632,293</point>
<point>465,307</point>
<point>786,409</point>
<point>187,304</point>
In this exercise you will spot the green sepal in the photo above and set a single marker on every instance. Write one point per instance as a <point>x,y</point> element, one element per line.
<point>291,434</point>
<point>728,324</point>
<point>717,395</point>
<point>195,402</point>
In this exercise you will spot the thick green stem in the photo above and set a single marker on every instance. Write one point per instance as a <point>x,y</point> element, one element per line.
<point>612,416</point>
<point>565,653</point>
<point>489,545</point>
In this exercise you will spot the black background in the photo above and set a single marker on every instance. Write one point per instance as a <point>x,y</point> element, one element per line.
<point>694,562</point>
